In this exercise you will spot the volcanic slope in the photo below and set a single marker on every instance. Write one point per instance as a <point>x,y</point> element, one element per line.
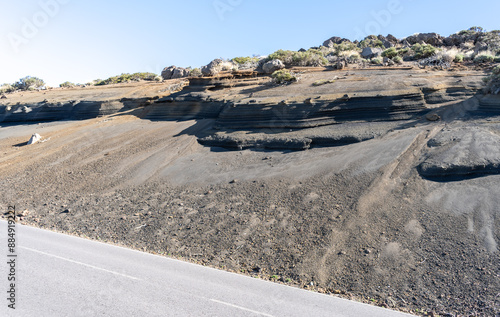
<point>381,186</point>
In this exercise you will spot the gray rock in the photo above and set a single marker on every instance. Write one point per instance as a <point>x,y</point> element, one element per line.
<point>180,73</point>
<point>391,38</point>
<point>371,52</point>
<point>168,72</point>
<point>272,66</point>
<point>34,139</point>
<point>215,67</point>
<point>460,38</point>
<point>433,39</point>
<point>335,40</point>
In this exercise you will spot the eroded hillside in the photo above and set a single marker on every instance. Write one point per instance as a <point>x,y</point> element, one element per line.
<point>379,184</point>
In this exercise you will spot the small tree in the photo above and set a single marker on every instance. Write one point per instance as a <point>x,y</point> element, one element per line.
<point>477,29</point>
<point>67,84</point>
<point>29,83</point>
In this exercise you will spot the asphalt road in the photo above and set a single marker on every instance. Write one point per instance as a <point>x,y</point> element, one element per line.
<point>60,275</point>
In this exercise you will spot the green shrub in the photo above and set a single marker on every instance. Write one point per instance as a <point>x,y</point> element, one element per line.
<point>67,84</point>
<point>283,76</point>
<point>29,83</point>
<point>398,60</point>
<point>308,58</point>
<point>459,58</point>
<point>496,70</point>
<point>282,55</point>
<point>477,29</point>
<point>353,58</point>
<point>195,72</point>
<point>345,46</point>
<point>484,58</point>
<point>323,82</point>
<point>390,53</point>
<point>403,51</point>
<point>244,60</point>
<point>125,78</point>
<point>376,61</point>
<point>7,88</point>
<point>423,51</point>
<point>371,41</point>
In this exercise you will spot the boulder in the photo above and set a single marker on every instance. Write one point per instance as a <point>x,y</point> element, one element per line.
<point>391,38</point>
<point>371,52</point>
<point>180,72</point>
<point>460,38</point>
<point>34,139</point>
<point>168,72</point>
<point>388,44</point>
<point>433,39</point>
<point>215,67</point>
<point>334,40</point>
<point>272,66</point>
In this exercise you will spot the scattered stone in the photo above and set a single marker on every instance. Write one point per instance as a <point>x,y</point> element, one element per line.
<point>34,139</point>
<point>23,213</point>
<point>3,97</point>
<point>432,117</point>
<point>234,181</point>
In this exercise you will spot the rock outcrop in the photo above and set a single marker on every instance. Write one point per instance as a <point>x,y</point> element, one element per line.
<point>462,152</point>
<point>215,67</point>
<point>433,39</point>
<point>173,72</point>
<point>335,40</point>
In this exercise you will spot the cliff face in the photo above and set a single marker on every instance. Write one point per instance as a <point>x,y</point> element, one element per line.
<point>81,103</point>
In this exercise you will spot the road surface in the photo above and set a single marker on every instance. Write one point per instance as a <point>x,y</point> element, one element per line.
<point>61,275</point>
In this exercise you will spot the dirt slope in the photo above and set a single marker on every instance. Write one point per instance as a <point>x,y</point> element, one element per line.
<point>356,219</point>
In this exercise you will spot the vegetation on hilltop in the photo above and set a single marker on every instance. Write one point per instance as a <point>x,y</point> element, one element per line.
<point>125,78</point>
<point>473,45</point>
<point>24,84</point>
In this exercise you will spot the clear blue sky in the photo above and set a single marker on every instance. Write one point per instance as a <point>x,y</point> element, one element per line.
<point>82,40</point>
